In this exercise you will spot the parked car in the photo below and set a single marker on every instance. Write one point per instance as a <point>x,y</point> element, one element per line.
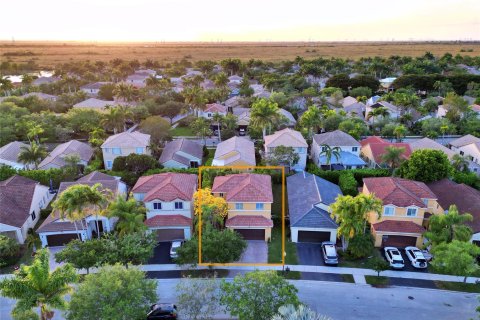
<point>162,311</point>
<point>394,258</point>
<point>329,252</point>
<point>427,255</point>
<point>416,257</point>
<point>173,249</point>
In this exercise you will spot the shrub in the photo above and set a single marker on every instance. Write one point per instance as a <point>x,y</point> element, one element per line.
<point>347,183</point>
<point>469,178</point>
<point>187,121</point>
<point>135,163</point>
<point>9,251</point>
<point>360,246</point>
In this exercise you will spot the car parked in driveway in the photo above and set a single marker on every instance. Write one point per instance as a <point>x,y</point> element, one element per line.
<point>394,258</point>
<point>329,253</point>
<point>416,257</point>
<point>173,249</point>
<point>162,311</point>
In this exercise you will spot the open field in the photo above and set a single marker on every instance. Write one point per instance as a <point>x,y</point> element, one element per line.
<point>48,54</point>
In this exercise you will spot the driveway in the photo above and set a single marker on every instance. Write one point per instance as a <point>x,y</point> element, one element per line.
<point>408,265</point>
<point>310,254</point>
<point>256,252</point>
<point>52,262</point>
<point>161,254</point>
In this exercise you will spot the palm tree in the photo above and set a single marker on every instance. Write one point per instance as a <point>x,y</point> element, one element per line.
<point>32,154</point>
<point>33,241</point>
<point>6,85</point>
<point>302,312</point>
<point>221,79</point>
<point>27,80</point>
<point>116,118</point>
<point>448,227</point>
<point>202,127</point>
<point>460,163</point>
<point>329,152</point>
<point>34,132</point>
<point>311,119</point>
<point>35,286</point>
<point>218,119</point>
<point>400,132</point>
<point>393,156</point>
<point>124,91</point>
<point>194,97</point>
<point>130,214</point>
<point>377,112</point>
<point>264,114</point>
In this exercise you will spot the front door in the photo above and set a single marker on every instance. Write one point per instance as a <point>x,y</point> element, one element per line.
<point>100,226</point>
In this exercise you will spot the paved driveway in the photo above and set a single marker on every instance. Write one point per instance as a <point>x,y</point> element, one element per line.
<point>309,254</point>
<point>52,262</point>
<point>408,265</point>
<point>256,252</point>
<point>161,254</point>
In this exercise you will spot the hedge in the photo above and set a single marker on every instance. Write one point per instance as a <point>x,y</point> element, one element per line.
<point>426,82</point>
<point>42,176</point>
<point>358,174</point>
<point>347,183</point>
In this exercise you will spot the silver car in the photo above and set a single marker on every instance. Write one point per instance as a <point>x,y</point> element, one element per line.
<point>173,249</point>
<point>329,252</point>
<point>394,257</point>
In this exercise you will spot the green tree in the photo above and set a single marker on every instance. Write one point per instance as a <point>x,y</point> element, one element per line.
<point>330,152</point>
<point>312,120</point>
<point>83,254</point>
<point>377,112</point>
<point>9,251</point>
<point>459,163</point>
<point>448,227</point>
<point>257,295</point>
<point>221,79</point>
<point>194,97</point>
<point>125,92</point>
<point>171,109</point>
<point>202,127</point>
<point>198,298</point>
<point>282,155</point>
<point>360,246</point>
<point>131,248</point>
<point>400,131</point>
<point>393,156</point>
<point>106,91</point>
<point>113,293</point>
<point>218,120</point>
<point>426,165</point>
<point>158,129</point>
<point>302,312</point>
<point>361,92</point>
<point>264,114</point>
<point>32,154</point>
<point>457,258</point>
<point>35,286</point>
<point>130,214</point>
<point>379,265</point>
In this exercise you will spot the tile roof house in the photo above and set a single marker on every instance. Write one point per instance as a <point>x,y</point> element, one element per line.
<point>56,158</point>
<point>9,155</point>
<point>349,150</point>
<point>57,231</point>
<point>249,198</point>
<point>123,144</point>
<point>236,151</point>
<point>469,147</point>
<point>288,138</point>
<point>45,80</point>
<point>181,153</point>
<point>96,104</point>
<point>138,80</point>
<point>211,109</point>
<point>466,198</point>
<point>288,116</point>
<point>309,200</point>
<point>374,147</point>
<point>168,198</point>
<point>21,200</point>
<point>405,203</point>
<point>427,143</point>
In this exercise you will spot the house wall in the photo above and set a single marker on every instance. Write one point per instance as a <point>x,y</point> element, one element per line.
<point>470,151</point>
<point>174,164</point>
<point>43,236</point>
<point>168,208</point>
<point>316,150</point>
<point>8,228</point>
<point>109,156</point>
<point>249,209</point>
<point>367,154</point>
<point>475,237</point>
<point>205,114</point>
<point>189,156</point>
<point>294,233</point>
<point>302,154</point>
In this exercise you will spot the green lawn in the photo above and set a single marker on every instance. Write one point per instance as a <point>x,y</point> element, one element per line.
<point>275,248</point>
<point>26,258</point>
<point>182,131</point>
<point>377,281</point>
<point>348,278</point>
<point>458,286</point>
<point>207,161</point>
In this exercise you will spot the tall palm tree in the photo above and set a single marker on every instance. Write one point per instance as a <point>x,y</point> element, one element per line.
<point>202,127</point>
<point>311,119</point>
<point>264,114</point>
<point>459,162</point>
<point>35,286</point>
<point>130,214</point>
<point>32,154</point>
<point>6,85</point>
<point>328,152</point>
<point>34,132</point>
<point>27,80</point>
<point>400,132</point>
<point>221,79</point>
<point>377,112</point>
<point>195,98</point>
<point>218,119</point>
<point>124,91</point>
<point>116,118</point>
<point>393,156</point>
<point>448,227</point>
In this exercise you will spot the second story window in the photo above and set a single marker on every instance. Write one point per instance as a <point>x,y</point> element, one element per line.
<point>116,151</point>
<point>354,149</point>
<point>388,211</point>
<point>221,194</point>
<point>425,202</point>
<point>259,206</point>
<point>411,212</point>
<point>324,149</point>
<point>107,150</point>
<point>178,205</point>
<point>157,206</point>
<point>301,150</point>
<point>33,215</point>
<point>239,206</point>
<point>139,150</point>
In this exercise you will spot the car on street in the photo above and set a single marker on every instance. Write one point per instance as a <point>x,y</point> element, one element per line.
<point>394,257</point>
<point>416,257</point>
<point>329,252</point>
<point>173,249</point>
<point>162,311</point>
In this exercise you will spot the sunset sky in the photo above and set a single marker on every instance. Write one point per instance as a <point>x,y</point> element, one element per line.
<point>245,20</point>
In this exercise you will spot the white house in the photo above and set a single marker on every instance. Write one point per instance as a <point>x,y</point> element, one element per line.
<point>9,155</point>
<point>92,89</point>
<point>288,138</point>
<point>349,155</point>
<point>469,147</point>
<point>211,109</point>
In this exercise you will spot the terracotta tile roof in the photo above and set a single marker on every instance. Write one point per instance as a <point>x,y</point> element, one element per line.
<point>56,157</point>
<point>16,195</point>
<point>215,107</point>
<point>170,220</point>
<point>378,149</point>
<point>286,137</point>
<point>249,221</point>
<point>372,139</point>
<point>398,227</point>
<point>399,192</point>
<point>167,186</point>
<point>245,187</point>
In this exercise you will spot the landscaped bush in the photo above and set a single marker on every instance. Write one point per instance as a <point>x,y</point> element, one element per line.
<point>360,246</point>
<point>347,183</point>
<point>163,170</point>
<point>9,251</point>
<point>469,178</point>
<point>135,163</point>
<point>187,121</point>
<point>42,176</point>
<point>358,174</point>
<point>128,177</point>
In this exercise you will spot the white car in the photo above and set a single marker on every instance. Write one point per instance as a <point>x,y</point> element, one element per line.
<point>394,258</point>
<point>173,249</point>
<point>416,257</point>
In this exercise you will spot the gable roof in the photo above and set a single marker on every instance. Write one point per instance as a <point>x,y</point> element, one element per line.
<point>427,143</point>
<point>287,114</point>
<point>372,139</point>
<point>167,186</point>
<point>391,107</point>
<point>57,156</point>
<point>465,140</point>
<point>244,187</point>
<point>244,148</point>
<point>40,95</point>
<point>335,138</point>
<point>184,145</point>
<point>286,137</point>
<point>16,195</point>
<point>95,103</point>
<point>97,176</point>
<point>127,140</point>
<point>215,107</point>
<point>399,192</point>
<point>10,151</point>
<point>466,198</point>
<point>378,149</point>
<point>95,85</point>
<point>347,101</point>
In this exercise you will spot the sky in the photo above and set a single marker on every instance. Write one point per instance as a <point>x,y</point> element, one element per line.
<point>241,20</point>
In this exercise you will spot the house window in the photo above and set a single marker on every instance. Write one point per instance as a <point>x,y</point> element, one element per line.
<point>109,164</point>
<point>209,115</point>
<point>157,206</point>
<point>178,205</point>
<point>388,211</point>
<point>411,212</point>
<point>116,151</point>
<point>238,206</point>
<point>324,149</point>
<point>462,153</point>
<point>139,150</point>
<point>425,202</point>
<point>301,150</point>
<point>33,215</point>
<point>107,150</point>
<point>193,164</point>
<point>259,206</point>
<point>221,194</point>
<point>354,149</point>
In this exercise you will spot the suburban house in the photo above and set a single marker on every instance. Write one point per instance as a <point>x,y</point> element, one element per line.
<point>236,151</point>
<point>355,110</point>
<point>9,155</point>
<point>469,147</point>
<point>123,144</point>
<point>45,80</point>
<point>168,198</point>
<point>21,200</point>
<point>243,119</point>
<point>92,89</point>
<point>249,198</point>
<point>374,147</point>
<point>349,150</point>
<point>309,200</point>
<point>288,138</point>
<point>236,80</point>
<point>95,104</point>
<point>288,117</point>
<point>466,198</point>
<point>58,231</point>
<point>394,111</point>
<point>406,203</point>
<point>41,96</point>
<point>138,80</point>
<point>181,154</point>
<point>211,109</point>
<point>56,158</point>
<point>427,143</point>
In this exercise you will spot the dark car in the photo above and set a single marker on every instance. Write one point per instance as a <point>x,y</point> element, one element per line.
<point>161,311</point>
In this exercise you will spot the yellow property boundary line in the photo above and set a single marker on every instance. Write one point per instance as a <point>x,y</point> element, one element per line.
<point>282,169</point>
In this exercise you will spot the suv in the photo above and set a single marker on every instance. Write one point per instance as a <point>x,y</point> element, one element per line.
<point>416,257</point>
<point>173,249</point>
<point>394,258</point>
<point>329,253</point>
<point>162,311</point>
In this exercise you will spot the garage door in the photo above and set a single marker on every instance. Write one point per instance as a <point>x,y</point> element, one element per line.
<point>398,241</point>
<point>313,236</point>
<point>170,234</point>
<point>61,239</point>
<point>252,234</point>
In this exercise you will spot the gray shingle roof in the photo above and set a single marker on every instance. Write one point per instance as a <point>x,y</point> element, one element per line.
<point>465,140</point>
<point>127,140</point>
<point>335,138</point>
<point>10,151</point>
<point>189,147</point>
<point>315,218</point>
<point>16,195</point>
<point>56,157</point>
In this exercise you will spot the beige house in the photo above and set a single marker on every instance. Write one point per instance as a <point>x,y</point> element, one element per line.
<point>288,138</point>
<point>123,144</point>
<point>236,151</point>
